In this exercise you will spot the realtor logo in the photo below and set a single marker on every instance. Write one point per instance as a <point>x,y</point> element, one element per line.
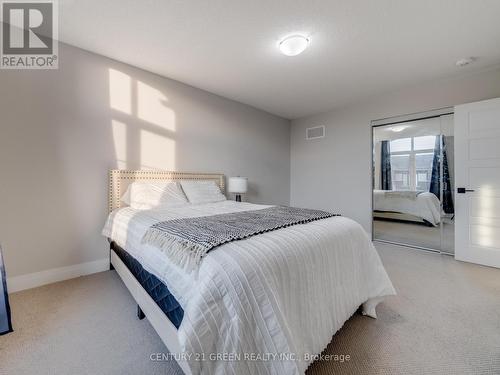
<point>29,35</point>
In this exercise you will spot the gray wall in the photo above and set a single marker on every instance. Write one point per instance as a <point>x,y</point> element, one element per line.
<point>61,131</point>
<point>334,173</point>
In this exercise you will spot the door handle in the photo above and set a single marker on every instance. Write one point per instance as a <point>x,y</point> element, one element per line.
<point>464,190</point>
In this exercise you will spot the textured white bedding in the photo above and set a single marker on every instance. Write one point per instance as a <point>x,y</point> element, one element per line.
<point>425,205</point>
<point>279,296</point>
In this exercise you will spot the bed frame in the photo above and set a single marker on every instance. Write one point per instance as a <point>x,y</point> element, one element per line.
<point>401,217</point>
<point>147,307</point>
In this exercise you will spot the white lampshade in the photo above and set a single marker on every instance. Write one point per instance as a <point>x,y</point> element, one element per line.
<point>238,185</point>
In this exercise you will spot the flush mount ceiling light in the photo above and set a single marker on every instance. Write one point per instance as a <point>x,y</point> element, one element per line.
<point>465,61</point>
<point>399,128</point>
<point>293,45</point>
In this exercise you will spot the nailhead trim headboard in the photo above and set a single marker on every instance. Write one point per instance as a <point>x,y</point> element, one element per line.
<point>120,179</point>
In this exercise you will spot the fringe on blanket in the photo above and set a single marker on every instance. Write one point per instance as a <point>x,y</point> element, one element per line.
<point>180,251</point>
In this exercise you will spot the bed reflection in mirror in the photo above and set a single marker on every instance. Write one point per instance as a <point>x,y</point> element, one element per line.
<point>413,183</point>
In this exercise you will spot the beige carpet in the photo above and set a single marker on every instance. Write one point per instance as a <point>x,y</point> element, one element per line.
<point>445,320</point>
<point>417,234</point>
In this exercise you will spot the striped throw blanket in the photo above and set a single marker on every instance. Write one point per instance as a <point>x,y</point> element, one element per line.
<point>186,241</point>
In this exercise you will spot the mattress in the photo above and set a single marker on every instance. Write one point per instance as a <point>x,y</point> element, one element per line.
<point>158,291</point>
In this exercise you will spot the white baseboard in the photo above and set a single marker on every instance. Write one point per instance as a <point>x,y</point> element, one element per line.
<point>32,280</point>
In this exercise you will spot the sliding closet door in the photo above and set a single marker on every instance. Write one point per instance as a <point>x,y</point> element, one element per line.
<point>413,170</point>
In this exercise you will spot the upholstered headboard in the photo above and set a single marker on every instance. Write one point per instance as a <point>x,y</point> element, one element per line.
<point>120,179</point>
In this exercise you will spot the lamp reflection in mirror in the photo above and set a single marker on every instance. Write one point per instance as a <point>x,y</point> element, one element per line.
<point>237,185</point>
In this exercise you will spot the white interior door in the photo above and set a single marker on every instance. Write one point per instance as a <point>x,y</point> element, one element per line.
<point>477,166</point>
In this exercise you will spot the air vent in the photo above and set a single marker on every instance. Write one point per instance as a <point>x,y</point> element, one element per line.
<point>315,132</point>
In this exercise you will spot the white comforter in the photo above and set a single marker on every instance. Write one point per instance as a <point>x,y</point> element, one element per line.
<point>424,205</point>
<point>281,293</point>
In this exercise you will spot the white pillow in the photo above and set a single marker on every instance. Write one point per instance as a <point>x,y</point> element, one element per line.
<point>202,191</point>
<point>147,195</point>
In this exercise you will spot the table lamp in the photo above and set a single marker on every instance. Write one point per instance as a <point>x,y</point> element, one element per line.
<point>237,185</point>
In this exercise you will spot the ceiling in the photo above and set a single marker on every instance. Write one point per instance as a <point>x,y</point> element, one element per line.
<point>418,128</point>
<point>358,48</point>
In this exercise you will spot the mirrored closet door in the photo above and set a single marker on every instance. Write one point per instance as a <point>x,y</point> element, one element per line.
<point>413,182</point>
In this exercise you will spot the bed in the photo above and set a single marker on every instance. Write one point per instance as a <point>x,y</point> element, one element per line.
<point>265,304</point>
<point>412,206</point>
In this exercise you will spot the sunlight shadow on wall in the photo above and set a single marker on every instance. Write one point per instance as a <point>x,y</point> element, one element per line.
<point>151,107</point>
<point>157,152</point>
<point>143,125</point>
<point>120,143</point>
